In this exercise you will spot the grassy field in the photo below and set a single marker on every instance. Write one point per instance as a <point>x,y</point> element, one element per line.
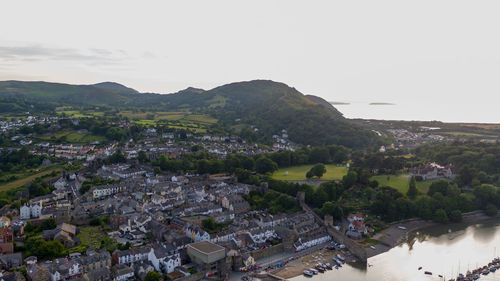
<point>80,114</point>
<point>401,182</point>
<point>27,178</point>
<point>74,137</point>
<point>299,172</point>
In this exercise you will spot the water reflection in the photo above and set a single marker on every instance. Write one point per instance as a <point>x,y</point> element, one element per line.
<point>436,250</point>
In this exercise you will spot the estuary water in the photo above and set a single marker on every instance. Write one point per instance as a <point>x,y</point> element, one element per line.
<point>434,249</point>
<point>427,111</point>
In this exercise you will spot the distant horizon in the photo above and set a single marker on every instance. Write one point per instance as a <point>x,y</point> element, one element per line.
<point>395,51</point>
<point>355,109</point>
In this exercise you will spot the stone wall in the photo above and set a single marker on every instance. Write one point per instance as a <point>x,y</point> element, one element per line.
<point>258,254</point>
<point>358,251</point>
<point>193,277</point>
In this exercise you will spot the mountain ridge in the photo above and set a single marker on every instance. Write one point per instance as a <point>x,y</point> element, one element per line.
<point>267,105</point>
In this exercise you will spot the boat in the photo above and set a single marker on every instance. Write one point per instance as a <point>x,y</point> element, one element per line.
<point>440,276</point>
<point>460,277</point>
<point>476,276</point>
<point>308,273</point>
<point>328,266</point>
<point>340,258</point>
<point>493,268</point>
<point>314,271</point>
<point>428,273</point>
<point>419,268</point>
<point>339,263</point>
<point>320,268</point>
<point>486,271</point>
<point>373,247</point>
<point>402,227</point>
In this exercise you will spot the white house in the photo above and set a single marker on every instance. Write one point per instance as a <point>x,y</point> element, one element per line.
<point>162,260</point>
<point>25,212</point>
<point>33,211</point>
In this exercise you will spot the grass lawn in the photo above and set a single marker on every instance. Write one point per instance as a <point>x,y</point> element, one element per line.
<point>27,178</point>
<point>333,172</point>
<point>401,182</point>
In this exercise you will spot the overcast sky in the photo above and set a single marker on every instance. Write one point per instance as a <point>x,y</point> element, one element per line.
<point>436,55</point>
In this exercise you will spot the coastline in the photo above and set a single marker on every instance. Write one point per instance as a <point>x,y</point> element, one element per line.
<point>394,235</point>
<point>388,239</point>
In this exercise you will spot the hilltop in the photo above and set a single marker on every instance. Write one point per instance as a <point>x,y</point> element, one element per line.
<point>259,108</point>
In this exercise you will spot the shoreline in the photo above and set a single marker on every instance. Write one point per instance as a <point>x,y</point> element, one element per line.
<point>394,235</point>
<point>388,239</point>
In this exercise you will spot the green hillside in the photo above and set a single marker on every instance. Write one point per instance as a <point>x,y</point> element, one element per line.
<point>267,105</point>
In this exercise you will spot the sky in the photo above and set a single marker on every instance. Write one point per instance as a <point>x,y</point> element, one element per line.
<point>434,59</point>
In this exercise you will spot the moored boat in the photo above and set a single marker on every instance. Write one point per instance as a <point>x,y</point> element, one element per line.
<point>319,268</point>
<point>308,273</point>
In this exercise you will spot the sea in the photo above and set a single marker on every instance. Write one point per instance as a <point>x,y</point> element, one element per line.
<point>421,111</point>
<point>444,250</point>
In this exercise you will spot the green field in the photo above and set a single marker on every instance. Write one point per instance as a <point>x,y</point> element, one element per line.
<point>23,179</point>
<point>74,137</point>
<point>80,114</point>
<point>401,182</point>
<point>333,172</point>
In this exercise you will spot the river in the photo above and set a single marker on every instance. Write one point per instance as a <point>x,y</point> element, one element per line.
<point>436,250</point>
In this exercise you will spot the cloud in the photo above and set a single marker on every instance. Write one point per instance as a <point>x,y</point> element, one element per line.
<point>37,53</point>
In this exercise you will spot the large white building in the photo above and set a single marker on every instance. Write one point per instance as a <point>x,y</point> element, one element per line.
<point>33,211</point>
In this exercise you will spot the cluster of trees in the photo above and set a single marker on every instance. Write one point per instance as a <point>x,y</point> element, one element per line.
<point>317,170</point>
<point>478,163</point>
<point>18,160</point>
<point>211,226</point>
<point>37,246</point>
<point>319,154</point>
<point>203,163</point>
<point>380,162</point>
<point>443,202</point>
<point>272,201</point>
<point>31,229</point>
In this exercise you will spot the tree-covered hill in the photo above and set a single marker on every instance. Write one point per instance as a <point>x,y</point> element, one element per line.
<point>266,105</point>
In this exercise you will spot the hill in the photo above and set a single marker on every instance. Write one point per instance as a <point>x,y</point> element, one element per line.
<point>116,87</point>
<point>267,105</point>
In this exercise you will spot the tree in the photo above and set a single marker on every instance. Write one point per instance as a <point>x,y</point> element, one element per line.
<point>319,155</point>
<point>153,276</point>
<point>350,179</point>
<point>412,191</point>
<point>456,216</point>
<point>142,157</point>
<point>265,165</point>
<point>491,210</point>
<point>440,216</point>
<point>317,170</point>
<point>330,208</point>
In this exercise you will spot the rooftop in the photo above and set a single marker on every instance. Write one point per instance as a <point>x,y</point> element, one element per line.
<point>206,247</point>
